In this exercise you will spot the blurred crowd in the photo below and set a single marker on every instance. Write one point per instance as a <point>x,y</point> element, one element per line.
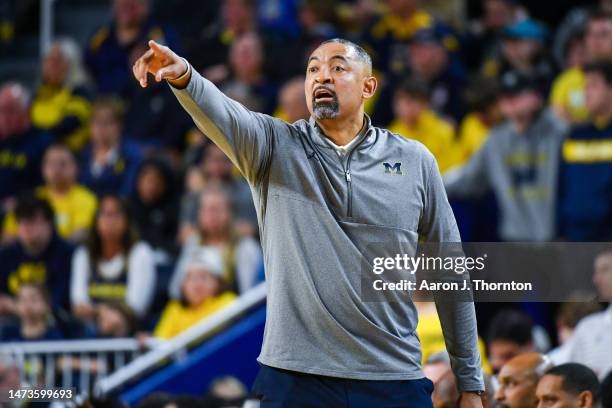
<point>119,218</point>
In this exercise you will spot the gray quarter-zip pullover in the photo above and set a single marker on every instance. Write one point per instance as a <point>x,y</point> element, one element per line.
<point>317,212</point>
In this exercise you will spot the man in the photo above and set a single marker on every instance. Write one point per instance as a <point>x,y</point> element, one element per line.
<point>510,334</point>
<point>568,385</point>
<point>591,343</point>
<point>585,185</point>
<point>324,189</point>
<point>518,380</point>
<point>519,162</point>
<point>39,256</point>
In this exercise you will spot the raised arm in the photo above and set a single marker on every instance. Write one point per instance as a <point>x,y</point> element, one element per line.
<point>244,136</point>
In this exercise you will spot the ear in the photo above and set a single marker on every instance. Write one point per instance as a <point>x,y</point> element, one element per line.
<point>370,84</point>
<point>585,399</point>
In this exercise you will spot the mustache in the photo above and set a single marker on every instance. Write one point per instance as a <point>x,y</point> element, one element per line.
<point>327,88</point>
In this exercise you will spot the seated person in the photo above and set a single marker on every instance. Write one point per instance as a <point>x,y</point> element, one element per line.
<point>518,379</point>
<point>203,293</point>
<point>570,385</point>
<point>114,320</point>
<point>33,309</point>
<point>38,256</point>
<point>61,103</point>
<point>109,163</point>
<point>114,266</point>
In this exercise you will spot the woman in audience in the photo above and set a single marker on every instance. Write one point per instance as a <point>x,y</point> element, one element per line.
<point>114,266</point>
<point>202,293</point>
<point>242,257</point>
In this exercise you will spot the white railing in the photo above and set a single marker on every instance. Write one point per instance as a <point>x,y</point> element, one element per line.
<point>71,363</point>
<point>46,25</point>
<point>179,344</point>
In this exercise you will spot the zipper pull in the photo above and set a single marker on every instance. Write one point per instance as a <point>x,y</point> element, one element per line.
<point>348,175</point>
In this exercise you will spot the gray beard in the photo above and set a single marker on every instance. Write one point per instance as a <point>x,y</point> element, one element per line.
<point>323,111</point>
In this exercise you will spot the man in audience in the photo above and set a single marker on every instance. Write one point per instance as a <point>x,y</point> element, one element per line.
<point>292,102</point>
<point>585,185</point>
<point>518,162</point>
<point>591,344</point>
<point>568,385</point>
<point>518,380</point>
<point>39,256</point>
<point>568,316</point>
<point>510,334</point>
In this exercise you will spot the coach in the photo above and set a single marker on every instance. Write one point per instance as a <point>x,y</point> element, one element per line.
<point>324,189</point>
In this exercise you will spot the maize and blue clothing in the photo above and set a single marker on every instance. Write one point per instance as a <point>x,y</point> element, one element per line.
<point>585,185</point>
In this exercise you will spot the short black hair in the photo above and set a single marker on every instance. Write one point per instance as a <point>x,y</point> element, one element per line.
<point>597,13</point>
<point>362,54</point>
<point>30,206</point>
<point>576,378</point>
<point>415,88</point>
<point>604,68</point>
<point>605,391</point>
<point>511,325</point>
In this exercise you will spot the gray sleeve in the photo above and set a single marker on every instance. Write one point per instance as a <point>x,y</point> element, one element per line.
<point>470,179</point>
<point>244,136</point>
<point>458,318</point>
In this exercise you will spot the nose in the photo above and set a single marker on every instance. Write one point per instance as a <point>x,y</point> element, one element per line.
<point>499,394</point>
<point>323,76</point>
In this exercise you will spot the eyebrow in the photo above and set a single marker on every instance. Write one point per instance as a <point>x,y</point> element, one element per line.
<point>340,57</point>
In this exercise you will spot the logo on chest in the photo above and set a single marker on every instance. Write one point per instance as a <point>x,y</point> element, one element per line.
<point>395,168</point>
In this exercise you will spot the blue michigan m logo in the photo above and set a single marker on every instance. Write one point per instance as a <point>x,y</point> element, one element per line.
<point>396,168</point>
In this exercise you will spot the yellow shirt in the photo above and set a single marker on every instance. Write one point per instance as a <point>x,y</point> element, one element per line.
<point>431,337</point>
<point>73,211</point>
<point>177,317</point>
<point>435,133</point>
<point>567,94</point>
<point>472,134</point>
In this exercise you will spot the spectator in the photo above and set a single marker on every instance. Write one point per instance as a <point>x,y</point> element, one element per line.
<point>114,265</point>
<point>568,316</point>
<point>415,120</point>
<point>518,162</point>
<point>523,50</point>
<point>242,257</point>
<point>155,207</point>
<point>318,22</point>
<point>569,385</point>
<point>606,392</point>
<point>115,319</point>
<point>33,309</point>
<point>292,102</point>
<point>21,145</point>
<point>202,293</point>
<point>445,394</point>
<point>216,169</point>
<point>568,91</point>
<point>61,103</point>
<point>108,51</point>
<point>39,256</point>
<point>227,392</point>
<point>592,340</point>
<point>109,164</point>
<point>509,334</point>
<point>518,379</point>
<point>585,186</point>
<point>10,378</point>
<point>74,205</point>
<point>248,83</point>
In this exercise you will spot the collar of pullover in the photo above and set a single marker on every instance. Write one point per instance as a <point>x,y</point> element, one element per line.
<point>319,138</point>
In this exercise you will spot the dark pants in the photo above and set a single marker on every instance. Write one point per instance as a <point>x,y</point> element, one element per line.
<point>277,388</point>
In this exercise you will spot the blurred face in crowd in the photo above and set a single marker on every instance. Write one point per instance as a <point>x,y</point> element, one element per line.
<point>598,94</point>
<point>551,394</point>
<point>216,165</point>
<point>337,82</point>
<point>408,108</point>
<point>111,322</point>
<point>517,385</point>
<point>130,13</point>
<point>520,107</point>
<point>14,111</point>
<point>576,55</point>
<point>292,101</point>
<point>402,8</point>
<point>427,59</point>
<point>34,233</point>
<point>246,57</point>
<point>150,185</point>
<point>111,222</point>
<point>55,66</point>
<point>497,14</point>
<point>105,128</point>
<point>59,168</point>
<point>199,285</point>
<point>237,15</point>
<point>501,351</point>
<point>31,304</point>
<point>520,52</point>
<point>598,39</point>
<point>215,214</point>
<point>602,278</point>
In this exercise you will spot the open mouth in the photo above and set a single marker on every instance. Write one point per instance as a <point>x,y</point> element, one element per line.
<point>323,95</point>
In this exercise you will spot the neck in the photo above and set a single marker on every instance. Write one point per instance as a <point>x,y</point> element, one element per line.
<point>60,188</point>
<point>218,237</point>
<point>110,249</point>
<point>342,131</point>
<point>126,33</point>
<point>33,329</point>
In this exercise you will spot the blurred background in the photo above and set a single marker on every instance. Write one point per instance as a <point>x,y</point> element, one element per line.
<point>129,252</point>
